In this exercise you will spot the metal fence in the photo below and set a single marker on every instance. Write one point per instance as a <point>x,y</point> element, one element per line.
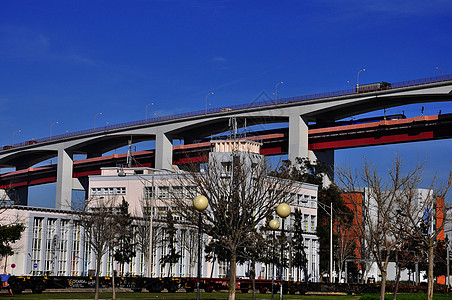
<point>238,107</point>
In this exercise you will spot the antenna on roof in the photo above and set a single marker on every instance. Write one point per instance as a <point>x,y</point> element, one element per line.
<point>129,155</point>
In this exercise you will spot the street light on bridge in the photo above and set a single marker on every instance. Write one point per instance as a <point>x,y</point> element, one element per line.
<point>17,131</point>
<point>276,91</point>
<point>211,93</point>
<point>357,81</point>
<point>440,71</point>
<point>146,120</point>
<point>51,125</point>
<point>95,119</point>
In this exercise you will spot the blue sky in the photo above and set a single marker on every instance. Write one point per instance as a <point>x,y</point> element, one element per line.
<point>67,61</point>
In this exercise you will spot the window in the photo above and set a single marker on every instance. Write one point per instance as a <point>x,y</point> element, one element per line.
<point>163,191</point>
<point>192,192</point>
<point>75,254</point>
<point>226,167</point>
<point>305,222</point>
<point>178,192</point>
<point>149,192</point>
<point>51,247</point>
<point>222,269</point>
<point>63,240</point>
<point>36,246</point>
<point>313,223</point>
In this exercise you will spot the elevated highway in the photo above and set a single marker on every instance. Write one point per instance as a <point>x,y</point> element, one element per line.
<point>296,111</point>
<point>274,142</point>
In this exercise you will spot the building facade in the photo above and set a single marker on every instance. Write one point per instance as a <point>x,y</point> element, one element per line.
<point>54,242</point>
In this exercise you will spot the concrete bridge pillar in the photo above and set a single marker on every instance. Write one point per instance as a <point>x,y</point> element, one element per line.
<point>19,195</point>
<point>163,151</point>
<point>64,179</point>
<point>327,157</point>
<point>298,138</point>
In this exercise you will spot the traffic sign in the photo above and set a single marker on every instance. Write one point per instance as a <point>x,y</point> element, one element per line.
<point>35,265</point>
<point>13,266</point>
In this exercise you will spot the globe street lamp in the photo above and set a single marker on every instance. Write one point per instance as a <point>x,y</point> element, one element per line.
<point>283,210</point>
<point>200,203</point>
<point>274,225</point>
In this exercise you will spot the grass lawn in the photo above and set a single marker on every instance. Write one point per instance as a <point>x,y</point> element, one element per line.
<point>206,296</point>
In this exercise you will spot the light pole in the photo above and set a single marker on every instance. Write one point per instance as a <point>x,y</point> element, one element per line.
<point>440,71</point>
<point>200,203</point>
<point>276,91</point>
<point>144,181</point>
<point>17,131</point>
<point>211,93</point>
<point>95,119</point>
<point>51,128</point>
<point>357,80</point>
<point>353,88</point>
<point>274,225</point>
<point>147,111</point>
<point>283,210</point>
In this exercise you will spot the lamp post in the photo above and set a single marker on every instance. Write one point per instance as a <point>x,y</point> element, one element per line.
<point>276,91</point>
<point>357,81</point>
<point>51,128</point>
<point>283,210</point>
<point>146,120</point>
<point>200,203</point>
<point>353,88</point>
<point>95,119</point>
<point>144,181</point>
<point>440,72</point>
<point>17,131</point>
<point>273,224</point>
<point>211,93</point>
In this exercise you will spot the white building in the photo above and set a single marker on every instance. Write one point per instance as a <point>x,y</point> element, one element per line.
<point>54,243</point>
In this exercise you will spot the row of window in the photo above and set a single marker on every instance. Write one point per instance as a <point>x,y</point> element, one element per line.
<point>101,191</point>
<point>167,191</point>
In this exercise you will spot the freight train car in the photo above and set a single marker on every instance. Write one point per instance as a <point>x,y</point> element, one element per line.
<point>38,284</point>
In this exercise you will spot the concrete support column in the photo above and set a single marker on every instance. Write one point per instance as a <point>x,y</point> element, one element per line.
<point>327,157</point>
<point>18,195</point>
<point>64,179</point>
<point>298,138</point>
<point>163,151</point>
<point>81,184</point>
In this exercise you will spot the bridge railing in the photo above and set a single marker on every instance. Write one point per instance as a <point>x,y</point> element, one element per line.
<point>237,107</point>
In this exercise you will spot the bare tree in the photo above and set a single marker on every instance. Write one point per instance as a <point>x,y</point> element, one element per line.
<point>425,217</point>
<point>11,227</point>
<point>346,246</point>
<point>189,243</point>
<point>376,211</point>
<point>241,195</point>
<point>100,223</point>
